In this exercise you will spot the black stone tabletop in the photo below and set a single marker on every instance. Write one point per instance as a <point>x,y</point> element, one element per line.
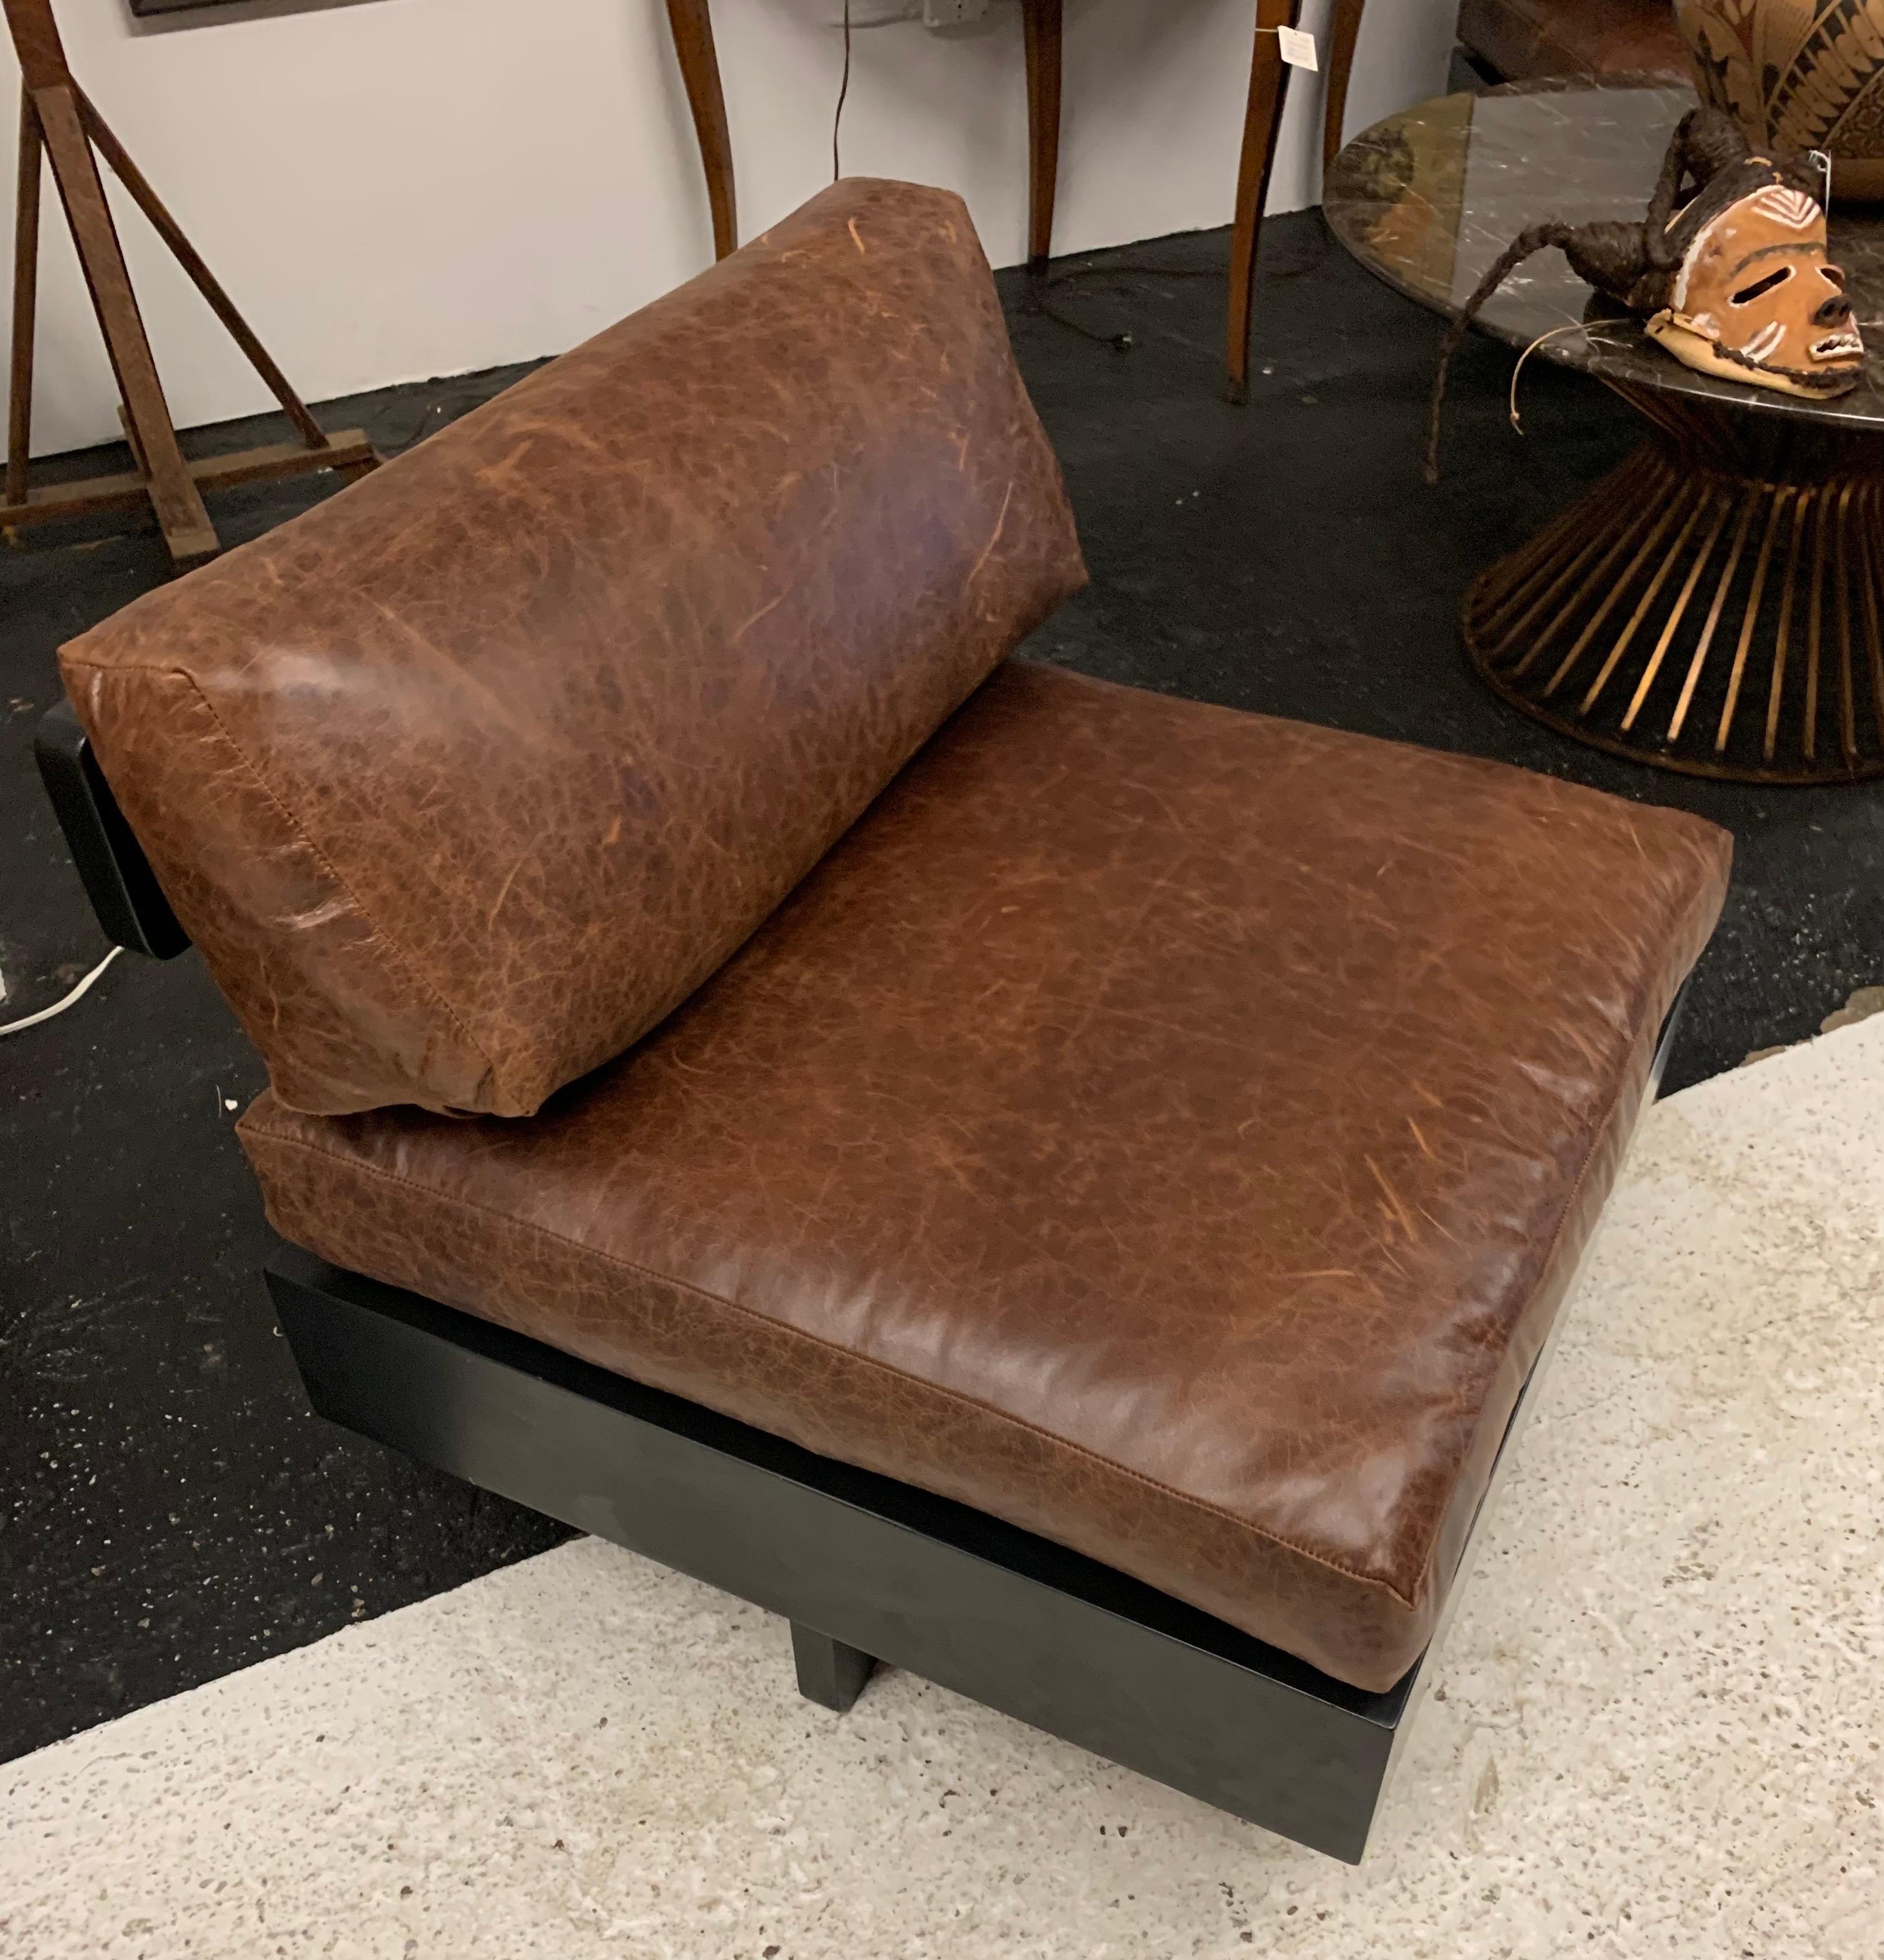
<point>1428,198</point>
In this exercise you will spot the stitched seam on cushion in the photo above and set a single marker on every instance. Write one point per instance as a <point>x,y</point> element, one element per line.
<point>851,1354</point>
<point>400,956</point>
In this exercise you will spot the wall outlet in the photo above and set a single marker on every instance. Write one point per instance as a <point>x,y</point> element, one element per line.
<point>953,13</point>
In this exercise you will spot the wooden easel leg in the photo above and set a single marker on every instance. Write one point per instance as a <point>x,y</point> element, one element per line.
<point>26,277</point>
<point>1344,35</point>
<point>166,228</point>
<point>1267,79</point>
<point>130,428</point>
<point>179,505</point>
<point>1042,21</point>
<point>691,23</point>
<point>206,283</point>
<point>56,119</point>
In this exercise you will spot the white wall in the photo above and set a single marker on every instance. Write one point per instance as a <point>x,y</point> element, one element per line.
<point>393,189</point>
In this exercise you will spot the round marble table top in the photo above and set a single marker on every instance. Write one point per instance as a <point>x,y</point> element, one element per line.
<point>1428,198</point>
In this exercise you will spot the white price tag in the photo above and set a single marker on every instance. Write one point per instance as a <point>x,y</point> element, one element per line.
<point>1298,49</point>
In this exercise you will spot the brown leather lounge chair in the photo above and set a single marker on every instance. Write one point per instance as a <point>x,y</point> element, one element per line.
<point>1051,1187</point>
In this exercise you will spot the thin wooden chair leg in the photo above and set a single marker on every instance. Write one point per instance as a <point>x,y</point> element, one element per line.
<point>692,23</point>
<point>1268,77</point>
<point>26,276</point>
<point>178,503</point>
<point>1344,35</point>
<point>206,283</point>
<point>1042,21</point>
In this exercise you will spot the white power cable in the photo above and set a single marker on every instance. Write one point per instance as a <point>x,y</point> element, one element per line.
<point>71,1000</point>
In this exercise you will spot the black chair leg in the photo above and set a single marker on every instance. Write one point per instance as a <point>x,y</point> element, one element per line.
<point>829,1673</point>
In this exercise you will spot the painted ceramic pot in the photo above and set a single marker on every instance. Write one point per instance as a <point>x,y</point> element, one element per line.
<point>1804,74</point>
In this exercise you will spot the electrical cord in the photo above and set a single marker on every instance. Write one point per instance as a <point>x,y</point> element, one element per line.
<point>1039,286</point>
<point>71,1000</point>
<point>843,93</point>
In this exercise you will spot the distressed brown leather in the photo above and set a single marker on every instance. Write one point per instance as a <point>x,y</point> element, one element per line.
<point>1169,1129</point>
<point>464,779</point>
<point>1591,40</point>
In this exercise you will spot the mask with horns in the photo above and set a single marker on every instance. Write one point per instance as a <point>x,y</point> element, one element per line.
<point>1729,272</point>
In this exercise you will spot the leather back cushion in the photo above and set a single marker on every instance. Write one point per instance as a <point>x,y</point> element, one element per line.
<point>466,777</point>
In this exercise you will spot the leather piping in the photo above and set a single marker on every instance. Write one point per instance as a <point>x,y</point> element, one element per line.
<point>398,954</point>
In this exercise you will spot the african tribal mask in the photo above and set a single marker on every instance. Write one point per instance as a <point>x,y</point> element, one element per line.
<point>1728,272</point>
<point>1756,299</point>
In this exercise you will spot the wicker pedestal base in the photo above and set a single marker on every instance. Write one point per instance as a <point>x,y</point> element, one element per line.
<point>1715,605</point>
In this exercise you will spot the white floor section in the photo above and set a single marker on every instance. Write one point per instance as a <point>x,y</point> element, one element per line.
<point>1657,1727</point>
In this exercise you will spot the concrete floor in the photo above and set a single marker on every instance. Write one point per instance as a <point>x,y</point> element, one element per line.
<point>172,1510</point>
<point>1654,1727</point>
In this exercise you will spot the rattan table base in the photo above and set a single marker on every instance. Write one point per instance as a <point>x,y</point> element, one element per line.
<point>1715,605</point>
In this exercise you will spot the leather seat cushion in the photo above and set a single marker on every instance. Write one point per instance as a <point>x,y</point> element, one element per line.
<point>1590,40</point>
<point>1169,1129</point>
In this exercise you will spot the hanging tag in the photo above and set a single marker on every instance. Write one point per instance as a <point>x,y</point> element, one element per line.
<point>1298,49</point>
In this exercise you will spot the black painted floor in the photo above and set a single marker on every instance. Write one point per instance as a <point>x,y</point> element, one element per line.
<point>171,1510</point>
